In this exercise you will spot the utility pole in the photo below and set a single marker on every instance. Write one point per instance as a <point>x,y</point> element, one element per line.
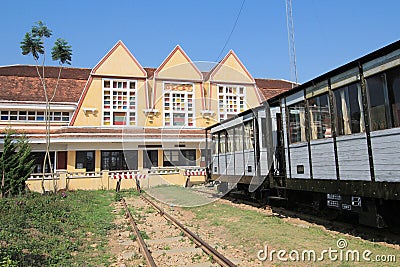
<point>292,48</point>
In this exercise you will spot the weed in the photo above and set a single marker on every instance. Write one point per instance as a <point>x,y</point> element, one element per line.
<point>215,223</point>
<point>133,237</point>
<point>196,258</point>
<point>144,234</point>
<point>118,196</point>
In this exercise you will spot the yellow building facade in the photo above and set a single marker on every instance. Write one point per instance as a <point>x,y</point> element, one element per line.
<point>127,117</point>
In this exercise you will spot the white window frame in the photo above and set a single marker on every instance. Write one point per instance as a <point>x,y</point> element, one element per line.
<point>52,116</point>
<point>128,110</point>
<point>186,112</point>
<point>225,94</point>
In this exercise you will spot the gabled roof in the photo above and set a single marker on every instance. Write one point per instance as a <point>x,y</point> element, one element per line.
<point>22,83</point>
<point>272,87</point>
<point>218,66</point>
<point>111,57</point>
<point>171,55</point>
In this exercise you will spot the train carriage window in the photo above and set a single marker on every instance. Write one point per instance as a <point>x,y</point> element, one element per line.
<point>229,143</point>
<point>215,140</point>
<point>238,144</point>
<point>222,142</point>
<point>384,99</point>
<point>264,132</point>
<point>393,85</point>
<point>248,135</point>
<point>378,101</point>
<point>320,119</point>
<point>297,123</point>
<point>349,110</point>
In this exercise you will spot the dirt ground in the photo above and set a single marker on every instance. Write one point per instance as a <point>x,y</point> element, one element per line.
<point>240,231</point>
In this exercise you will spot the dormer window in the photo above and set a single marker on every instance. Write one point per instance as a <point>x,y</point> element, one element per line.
<point>230,101</point>
<point>178,104</point>
<point>119,102</point>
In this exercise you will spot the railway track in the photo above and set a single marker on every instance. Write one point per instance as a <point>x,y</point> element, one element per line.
<point>164,241</point>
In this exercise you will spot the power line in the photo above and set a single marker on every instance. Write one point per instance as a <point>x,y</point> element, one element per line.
<point>233,28</point>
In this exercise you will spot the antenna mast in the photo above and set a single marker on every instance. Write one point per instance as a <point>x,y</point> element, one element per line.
<point>292,48</point>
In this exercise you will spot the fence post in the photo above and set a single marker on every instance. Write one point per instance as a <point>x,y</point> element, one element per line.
<point>105,179</point>
<point>63,180</point>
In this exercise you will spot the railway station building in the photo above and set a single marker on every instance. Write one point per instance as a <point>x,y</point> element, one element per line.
<point>121,116</point>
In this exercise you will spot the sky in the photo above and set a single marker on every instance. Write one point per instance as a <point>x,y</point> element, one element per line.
<point>328,33</point>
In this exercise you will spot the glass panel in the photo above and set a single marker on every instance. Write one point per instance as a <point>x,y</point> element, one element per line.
<point>222,144</point>
<point>378,102</point>
<point>320,120</point>
<point>4,115</point>
<point>239,138</point>
<point>85,160</point>
<point>297,123</point>
<point>57,116</point>
<point>119,118</point>
<point>13,115</point>
<point>248,135</point>
<point>179,119</point>
<point>185,157</point>
<point>230,136</point>
<point>393,84</point>
<point>214,146</point>
<point>32,116</point>
<point>22,115</point>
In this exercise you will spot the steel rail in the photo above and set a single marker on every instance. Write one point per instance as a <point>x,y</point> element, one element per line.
<point>218,257</point>
<point>143,247</point>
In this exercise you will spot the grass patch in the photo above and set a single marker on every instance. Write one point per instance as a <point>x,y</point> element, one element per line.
<point>177,196</point>
<point>56,230</point>
<point>251,230</point>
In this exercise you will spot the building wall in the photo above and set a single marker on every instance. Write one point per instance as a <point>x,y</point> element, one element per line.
<point>120,64</point>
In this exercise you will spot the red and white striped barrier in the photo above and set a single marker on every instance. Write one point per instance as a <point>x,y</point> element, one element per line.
<point>194,173</point>
<point>117,176</point>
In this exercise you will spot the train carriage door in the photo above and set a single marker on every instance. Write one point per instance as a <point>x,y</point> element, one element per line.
<point>279,151</point>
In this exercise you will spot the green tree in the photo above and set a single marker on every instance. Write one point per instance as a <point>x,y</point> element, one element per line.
<point>34,44</point>
<point>16,164</point>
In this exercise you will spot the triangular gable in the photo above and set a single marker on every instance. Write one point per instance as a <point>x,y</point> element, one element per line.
<point>231,69</point>
<point>178,66</point>
<point>119,61</point>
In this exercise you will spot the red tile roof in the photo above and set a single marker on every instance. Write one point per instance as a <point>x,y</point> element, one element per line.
<point>21,83</point>
<point>150,72</point>
<point>271,87</point>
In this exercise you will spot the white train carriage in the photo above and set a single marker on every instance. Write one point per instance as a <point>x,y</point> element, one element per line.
<point>238,147</point>
<point>333,141</point>
<point>341,135</point>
